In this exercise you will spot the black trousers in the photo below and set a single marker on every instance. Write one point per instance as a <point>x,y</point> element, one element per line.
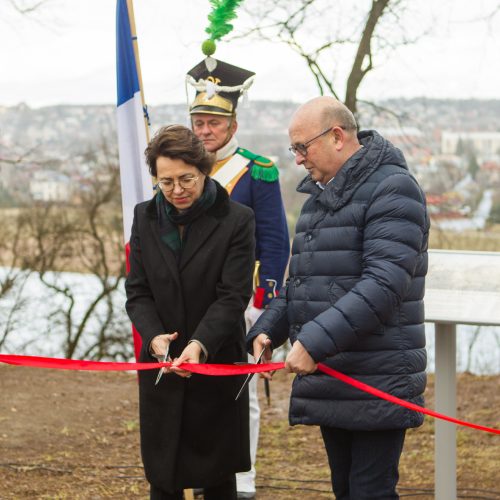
<point>364,464</point>
<point>222,491</point>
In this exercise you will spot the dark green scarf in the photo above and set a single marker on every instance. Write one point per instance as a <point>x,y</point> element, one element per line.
<point>169,219</point>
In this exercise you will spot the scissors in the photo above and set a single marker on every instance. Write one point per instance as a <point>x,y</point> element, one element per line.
<point>162,359</point>
<point>250,375</point>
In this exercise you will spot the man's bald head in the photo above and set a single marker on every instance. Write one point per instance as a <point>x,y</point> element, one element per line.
<point>326,111</point>
<point>323,136</point>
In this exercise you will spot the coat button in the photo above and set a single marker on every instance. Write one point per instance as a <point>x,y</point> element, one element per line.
<point>309,237</point>
<point>297,282</point>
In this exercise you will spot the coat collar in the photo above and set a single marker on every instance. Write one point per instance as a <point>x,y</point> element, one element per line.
<point>227,150</point>
<point>166,253</point>
<point>199,230</point>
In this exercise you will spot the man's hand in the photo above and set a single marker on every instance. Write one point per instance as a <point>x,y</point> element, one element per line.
<point>299,361</point>
<point>190,354</point>
<point>262,341</point>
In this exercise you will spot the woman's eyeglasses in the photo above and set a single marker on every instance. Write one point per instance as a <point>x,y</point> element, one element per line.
<point>168,185</point>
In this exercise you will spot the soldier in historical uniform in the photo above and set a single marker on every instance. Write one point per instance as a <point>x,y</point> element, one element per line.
<point>252,180</point>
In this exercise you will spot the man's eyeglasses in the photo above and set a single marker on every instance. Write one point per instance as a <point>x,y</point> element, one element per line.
<point>168,185</point>
<point>302,147</point>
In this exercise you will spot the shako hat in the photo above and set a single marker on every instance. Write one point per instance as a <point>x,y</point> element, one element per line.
<point>218,86</point>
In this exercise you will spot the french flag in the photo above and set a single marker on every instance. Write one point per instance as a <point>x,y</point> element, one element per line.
<point>136,183</point>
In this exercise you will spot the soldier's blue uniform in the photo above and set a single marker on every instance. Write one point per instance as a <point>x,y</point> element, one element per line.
<point>259,189</point>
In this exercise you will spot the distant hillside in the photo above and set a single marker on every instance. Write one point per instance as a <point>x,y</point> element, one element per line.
<point>73,129</point>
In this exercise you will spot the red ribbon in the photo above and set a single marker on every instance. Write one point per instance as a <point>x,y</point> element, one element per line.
<point>223,370</point>
<point>75,364</point>
<point>401,402</point>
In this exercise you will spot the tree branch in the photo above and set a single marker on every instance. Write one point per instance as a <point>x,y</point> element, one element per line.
<point>358,71</point>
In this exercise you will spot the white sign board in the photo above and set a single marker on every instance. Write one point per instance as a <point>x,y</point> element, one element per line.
<point>463,287</point>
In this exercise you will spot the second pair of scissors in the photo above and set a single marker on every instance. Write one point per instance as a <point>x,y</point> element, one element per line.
<point>163,359</point>
<point>250,375</point>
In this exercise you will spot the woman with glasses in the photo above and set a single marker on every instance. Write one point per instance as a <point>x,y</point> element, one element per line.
<point>190,280</point>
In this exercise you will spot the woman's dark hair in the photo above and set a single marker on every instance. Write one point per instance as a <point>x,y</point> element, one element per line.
<point>178,142</point>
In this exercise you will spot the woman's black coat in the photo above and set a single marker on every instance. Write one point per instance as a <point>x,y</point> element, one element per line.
<point>193,433</point>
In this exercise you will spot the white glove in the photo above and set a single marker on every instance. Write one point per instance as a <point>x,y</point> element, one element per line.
<point>252,314</point>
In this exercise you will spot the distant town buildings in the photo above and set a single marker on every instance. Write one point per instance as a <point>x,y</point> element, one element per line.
<point>62,153</point>
<point>50,186</point>
<point>483,144</point>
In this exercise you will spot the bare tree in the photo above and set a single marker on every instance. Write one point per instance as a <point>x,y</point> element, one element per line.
<point>100,249</point>
<point>17,258</point>
<point>42,13</point>
<point>25,6</point>
<point>13,277</point>
<point>324,33</point>
<point>88,237</point>
<point>470,346</point>
<point>363,61</point>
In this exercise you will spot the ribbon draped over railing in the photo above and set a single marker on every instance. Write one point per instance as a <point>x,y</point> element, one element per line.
<point>224,370</point>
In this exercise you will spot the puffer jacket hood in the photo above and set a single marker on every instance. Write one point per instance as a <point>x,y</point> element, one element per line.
<point>354,297</point>
<point>375,152</point>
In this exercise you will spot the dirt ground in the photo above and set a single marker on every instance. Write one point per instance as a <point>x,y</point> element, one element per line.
<point>74,435</point>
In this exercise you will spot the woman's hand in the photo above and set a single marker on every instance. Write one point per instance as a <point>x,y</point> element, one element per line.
<point>191,354</point>
<point>159,344</point>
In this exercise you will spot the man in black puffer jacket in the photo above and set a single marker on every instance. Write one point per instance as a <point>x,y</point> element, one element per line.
<point>354,297</point>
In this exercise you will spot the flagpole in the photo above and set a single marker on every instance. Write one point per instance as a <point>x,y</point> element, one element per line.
<point>131,16</point>
<point>132,127</point>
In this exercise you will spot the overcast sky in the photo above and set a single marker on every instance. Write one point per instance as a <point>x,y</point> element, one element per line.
<point>65,53</point>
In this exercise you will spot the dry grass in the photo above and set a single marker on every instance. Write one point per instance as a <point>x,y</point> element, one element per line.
<point>483,241</point>
<point>74,435</point>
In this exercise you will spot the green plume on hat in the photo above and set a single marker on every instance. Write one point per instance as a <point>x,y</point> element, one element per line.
<point>222,12</point>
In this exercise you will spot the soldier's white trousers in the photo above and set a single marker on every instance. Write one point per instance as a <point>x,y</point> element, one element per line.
<point>245,481</point>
